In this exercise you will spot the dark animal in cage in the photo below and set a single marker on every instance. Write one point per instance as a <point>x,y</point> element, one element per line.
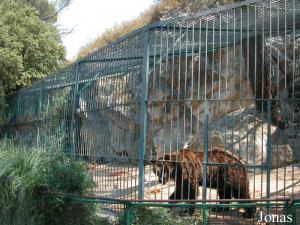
<point>225,172</point>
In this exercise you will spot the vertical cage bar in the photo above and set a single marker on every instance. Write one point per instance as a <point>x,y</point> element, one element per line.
<point>143,118</point>
<point>18,106</point>
<point>127,214</point>
<point>74,104</point>
<point>293,90</point>
<point>268,161</point>
<point>39,109</point>
<point>205,157</point>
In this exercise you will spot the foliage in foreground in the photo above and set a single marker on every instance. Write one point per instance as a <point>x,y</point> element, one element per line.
<point>163,216</point>
<point>26,178</point>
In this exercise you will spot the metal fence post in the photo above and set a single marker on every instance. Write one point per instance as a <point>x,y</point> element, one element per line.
<point>74,105</point>
<point>18,106</point>
<point>205,147</point>
<point>38,138</point>
<point>290,211</point>
<point>268,159</point>
<point>128,214</point>
<point>143,116</point>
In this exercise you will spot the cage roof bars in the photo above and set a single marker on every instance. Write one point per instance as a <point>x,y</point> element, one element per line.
<point>232,17</point>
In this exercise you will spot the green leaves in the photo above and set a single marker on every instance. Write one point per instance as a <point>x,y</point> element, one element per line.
<point>163,216</point>
<point>47,10</point>
<point>30,48</point>
<point>28,175</point>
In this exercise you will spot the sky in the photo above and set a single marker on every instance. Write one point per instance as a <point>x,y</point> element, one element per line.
<point>89,18</point>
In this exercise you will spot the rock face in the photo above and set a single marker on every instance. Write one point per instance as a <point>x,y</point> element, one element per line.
<point>108,118</point>
<point>108,134</point>
<point>244,133</point>
<point>178,93</point>
<point>180,90</point>
<point>282,155</point>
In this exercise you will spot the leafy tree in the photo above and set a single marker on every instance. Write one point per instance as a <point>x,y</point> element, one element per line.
<point>30,48</point>
<point>47,11</point>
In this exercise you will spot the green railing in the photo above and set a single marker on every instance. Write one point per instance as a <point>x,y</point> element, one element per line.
<point>166,213</point>
<point>158,213</point>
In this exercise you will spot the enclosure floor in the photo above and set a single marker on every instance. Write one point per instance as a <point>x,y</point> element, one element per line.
<point>121,182</point>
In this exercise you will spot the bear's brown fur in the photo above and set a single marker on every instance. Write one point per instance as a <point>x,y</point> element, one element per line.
<point>225,172</point>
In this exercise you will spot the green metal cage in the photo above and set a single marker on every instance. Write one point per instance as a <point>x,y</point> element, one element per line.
<point>227,78</point>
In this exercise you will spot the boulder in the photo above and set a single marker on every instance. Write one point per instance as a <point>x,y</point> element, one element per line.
<point>108,134</point>
<point>245,133</point>
<point>281,156</point>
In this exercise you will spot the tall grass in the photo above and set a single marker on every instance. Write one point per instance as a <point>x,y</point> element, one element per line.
<point>26,178</point>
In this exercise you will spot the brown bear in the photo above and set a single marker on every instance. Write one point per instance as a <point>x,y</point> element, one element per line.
<point>225,172</point>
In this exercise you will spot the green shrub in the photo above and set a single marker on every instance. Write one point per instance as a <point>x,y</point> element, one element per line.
<point>163,216</point>
<point>28,175</point>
